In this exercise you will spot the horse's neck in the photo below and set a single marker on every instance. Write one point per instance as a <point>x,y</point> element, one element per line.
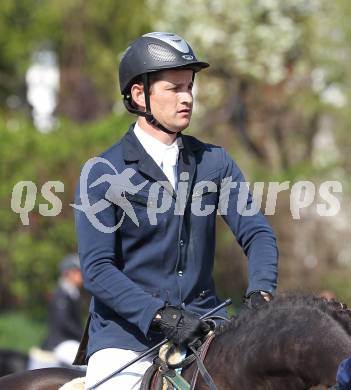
<point>246,367</point>
<point>294,355</point>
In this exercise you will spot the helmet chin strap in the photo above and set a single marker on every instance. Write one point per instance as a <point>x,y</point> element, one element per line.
<point>152,120</point>
<point>147,114</point>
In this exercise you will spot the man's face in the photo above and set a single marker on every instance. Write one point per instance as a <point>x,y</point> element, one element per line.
<point>171,98</point>
<point>75,276</point>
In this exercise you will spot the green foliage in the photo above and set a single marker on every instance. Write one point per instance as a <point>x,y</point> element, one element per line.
<point>338,281</point>
<point>84,32</point>
<point>255,40</point>
<point>283,62</point>
<point>29,254</point>
<point>19,332</point>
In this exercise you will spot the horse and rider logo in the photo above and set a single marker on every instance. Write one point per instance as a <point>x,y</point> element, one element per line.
<point>119,185</point>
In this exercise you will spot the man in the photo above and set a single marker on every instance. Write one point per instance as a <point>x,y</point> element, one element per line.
<point>150,270</point>
<point>65,321</point>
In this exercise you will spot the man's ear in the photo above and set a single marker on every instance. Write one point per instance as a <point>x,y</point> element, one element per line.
<point>137,92</point>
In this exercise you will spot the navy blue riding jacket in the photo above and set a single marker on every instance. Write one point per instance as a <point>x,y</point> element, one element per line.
<point>134,270</point>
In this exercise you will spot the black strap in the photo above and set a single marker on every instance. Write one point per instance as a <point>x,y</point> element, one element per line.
<point>148,115</point>
<point>148,377</point>
<point>146,84</point>
<point>202,369</point>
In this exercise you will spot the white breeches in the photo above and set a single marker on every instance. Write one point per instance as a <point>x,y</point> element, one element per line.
<point>106,361</point>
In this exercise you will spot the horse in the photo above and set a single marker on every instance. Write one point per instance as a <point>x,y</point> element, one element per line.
<point>295,342</point>
<point>40,379</point>
<point>12,361</point>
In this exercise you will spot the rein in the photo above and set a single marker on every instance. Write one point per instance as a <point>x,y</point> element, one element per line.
<point>169,371</point>
<point>198,355</point>
<point>200,358</point>
<point>227,302</point>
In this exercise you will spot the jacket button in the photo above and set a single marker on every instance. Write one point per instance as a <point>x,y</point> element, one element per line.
<point>180,273</point>
<point>202,294</point>
<point>181,242</point>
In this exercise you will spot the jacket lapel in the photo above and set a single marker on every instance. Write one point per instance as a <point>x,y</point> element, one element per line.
<point>186,164</point>
<point>134,151</point>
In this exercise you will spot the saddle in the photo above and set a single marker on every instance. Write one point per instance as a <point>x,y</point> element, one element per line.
<point>164,374</point>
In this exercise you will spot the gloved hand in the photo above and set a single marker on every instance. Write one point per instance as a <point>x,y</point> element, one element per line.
<point>180,326</point>
<point>256,299</point>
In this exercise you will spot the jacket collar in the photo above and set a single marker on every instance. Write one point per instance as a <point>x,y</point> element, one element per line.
<point>133,151</point>
<point>131,147</point>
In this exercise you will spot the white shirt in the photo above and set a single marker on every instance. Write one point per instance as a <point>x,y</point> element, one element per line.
<point>165,156</point>
<point>69,288</point>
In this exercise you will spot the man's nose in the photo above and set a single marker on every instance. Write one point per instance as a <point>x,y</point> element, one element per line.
<point>186,97</point>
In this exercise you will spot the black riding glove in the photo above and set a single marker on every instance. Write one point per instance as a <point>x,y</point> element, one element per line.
<point>179,326</point>
<point>256,299</point>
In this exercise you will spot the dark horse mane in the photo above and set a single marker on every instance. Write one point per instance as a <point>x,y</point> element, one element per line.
<point>293,343</point>
<point>290,302</point>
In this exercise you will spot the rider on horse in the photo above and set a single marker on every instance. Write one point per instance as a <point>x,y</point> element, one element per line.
<point>152,278</point>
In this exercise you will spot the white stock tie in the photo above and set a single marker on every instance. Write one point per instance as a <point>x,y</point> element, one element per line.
<point>169,164</point>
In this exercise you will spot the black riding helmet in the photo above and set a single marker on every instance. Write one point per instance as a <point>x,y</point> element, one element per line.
<point>150,53</point>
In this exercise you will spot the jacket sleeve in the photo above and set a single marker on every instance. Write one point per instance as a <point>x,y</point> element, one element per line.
<point>250,227</point>
<point>96,245</point>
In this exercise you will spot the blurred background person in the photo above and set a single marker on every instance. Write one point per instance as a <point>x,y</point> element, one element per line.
<point>64,316</point>
<point>64,319</point>
<point>329,295</point>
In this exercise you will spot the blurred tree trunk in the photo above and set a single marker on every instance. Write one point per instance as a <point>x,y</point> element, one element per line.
<point>263,118</point>
<point>79,99</point>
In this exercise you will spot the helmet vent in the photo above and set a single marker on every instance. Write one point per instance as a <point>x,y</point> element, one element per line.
<point>159,53</point>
